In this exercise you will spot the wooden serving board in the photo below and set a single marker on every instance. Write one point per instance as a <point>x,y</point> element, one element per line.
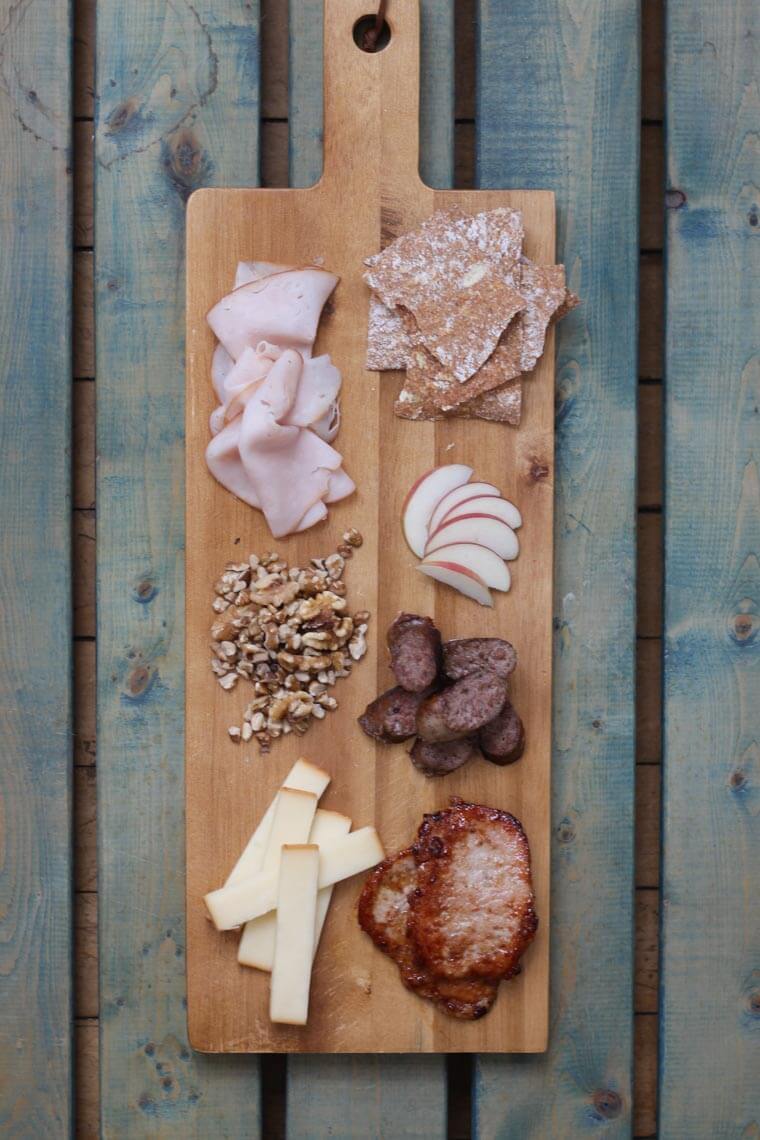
<point>370,192</point>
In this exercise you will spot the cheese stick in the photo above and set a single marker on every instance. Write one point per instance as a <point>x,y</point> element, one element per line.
<point>257,941</point>
<point>292,821</point>
<point>294,937</point>
<point>303,777</point>
<point>234,905</point>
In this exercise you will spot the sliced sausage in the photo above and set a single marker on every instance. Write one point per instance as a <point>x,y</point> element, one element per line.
<point>463,708</point>
<point>415,646</point>
<point>471,654</point>
<point>440,759</point>
<point>392,716</point>
<point>502,741</point>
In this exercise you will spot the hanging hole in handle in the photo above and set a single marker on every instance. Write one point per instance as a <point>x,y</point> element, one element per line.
<point>368,37</point>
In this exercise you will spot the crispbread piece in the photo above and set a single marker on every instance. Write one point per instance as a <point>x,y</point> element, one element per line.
<point>501,405</point>
<point>543,287</point>
<point>387,341</point>
<point>459,294</point>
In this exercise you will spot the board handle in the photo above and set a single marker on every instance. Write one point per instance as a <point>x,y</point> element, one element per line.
<point>372,99</point>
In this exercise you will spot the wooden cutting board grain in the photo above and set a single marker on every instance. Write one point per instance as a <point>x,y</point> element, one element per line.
<point>370,192</point>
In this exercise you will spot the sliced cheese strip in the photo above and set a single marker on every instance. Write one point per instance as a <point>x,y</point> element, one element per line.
<point>257,940</point>
<point>292,822</point>
<point>241,901</point>
<point>304,777</point>
<point>294,937</point>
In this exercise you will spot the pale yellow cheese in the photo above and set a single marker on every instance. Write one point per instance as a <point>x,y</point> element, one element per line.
<point>294,936</point>
<point>292,822</point>
<point>234,905</point>
<point>304,777</point>
<point>257,941</point>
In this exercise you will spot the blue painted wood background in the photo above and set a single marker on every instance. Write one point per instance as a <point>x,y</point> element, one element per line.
<point>177,108</point>
<point>558,107</point>
<point>35,601</point>
<point>710,981</point>
<point>177,91</point>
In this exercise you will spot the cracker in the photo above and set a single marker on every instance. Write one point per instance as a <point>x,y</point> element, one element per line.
<point>501,405</point>
<point>436,388</point>
<point>543,287</point>
<point>460,297</point>
<point>387,341</point>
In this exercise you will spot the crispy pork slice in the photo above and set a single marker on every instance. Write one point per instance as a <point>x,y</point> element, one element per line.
<point>384,914</point>
<point>471,914</point>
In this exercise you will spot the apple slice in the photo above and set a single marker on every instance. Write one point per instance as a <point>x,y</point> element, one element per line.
<point>423,497</point>
<point>488,566</point>
<point>486,505</point>
<point>460,577</point>
<point>485,530</point>
<point>452,499</point>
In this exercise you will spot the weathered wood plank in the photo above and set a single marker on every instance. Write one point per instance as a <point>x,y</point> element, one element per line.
<point>558,88</point>
<point>711,920</point>
<point>178,107</point>
<point>36,1028</point>
<point>329,1096</point>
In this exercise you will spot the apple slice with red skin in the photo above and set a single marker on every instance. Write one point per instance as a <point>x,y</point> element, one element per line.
<point>460,578</point>
<point>488,566</point>
<point>485,530</point>
<point>422,498</point>
<point>486,505</point>
<point>456,496</point>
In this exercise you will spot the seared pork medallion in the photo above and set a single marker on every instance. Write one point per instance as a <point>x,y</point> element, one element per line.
<point>453,696</point>
<point>455,911</point>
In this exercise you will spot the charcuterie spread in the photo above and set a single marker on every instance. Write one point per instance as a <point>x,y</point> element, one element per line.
<point>461,310</point>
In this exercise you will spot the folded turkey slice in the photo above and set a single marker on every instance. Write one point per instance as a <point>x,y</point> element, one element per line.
<point>283,307</point>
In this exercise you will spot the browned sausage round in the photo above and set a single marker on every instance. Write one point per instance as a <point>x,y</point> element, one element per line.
<point>392,716</point>
<point>503,740</point>
<point>471,654</point>
<point>440,759</point>
<point>462,708</point>
<point>415,646</point>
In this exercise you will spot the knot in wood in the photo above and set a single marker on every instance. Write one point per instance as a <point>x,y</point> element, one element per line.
<point>607,1103</point>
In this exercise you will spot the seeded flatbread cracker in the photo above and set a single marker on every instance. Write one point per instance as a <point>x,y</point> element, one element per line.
<point>459,294</point>
<point>436,388</point>
<point>387,341</point>
<point>543,287</point>
<point>502,405</point>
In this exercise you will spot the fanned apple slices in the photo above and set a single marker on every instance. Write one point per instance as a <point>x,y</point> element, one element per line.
<point>464,532</point>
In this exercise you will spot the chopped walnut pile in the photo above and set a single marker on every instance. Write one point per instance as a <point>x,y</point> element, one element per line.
<point>287,632</point>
